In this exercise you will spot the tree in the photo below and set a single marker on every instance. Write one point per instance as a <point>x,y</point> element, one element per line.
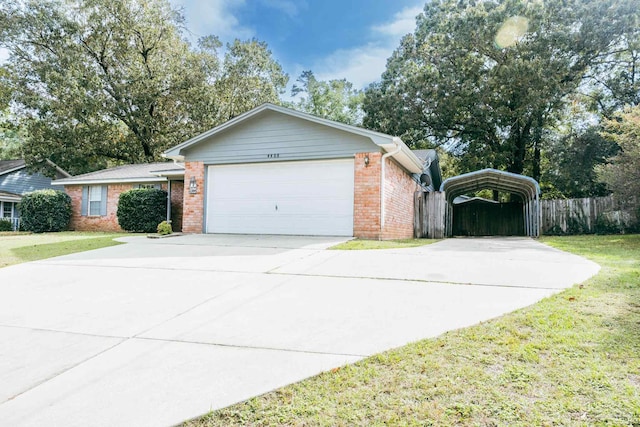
<point>622,172</point>
<point>334,99</point>
<point>250,77</point>
<point>102,82</point>
<point>11,138</point>
<point>487,79</point>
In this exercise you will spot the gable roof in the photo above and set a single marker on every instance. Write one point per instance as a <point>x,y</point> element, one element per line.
<point>387,142</point>
<point>8,166</point>
<point>145,172</point>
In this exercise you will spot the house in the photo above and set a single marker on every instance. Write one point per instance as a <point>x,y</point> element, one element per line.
<point>275,170</point>
<point>95,195</point>
<point>15,181</point>
<point>272,170</point>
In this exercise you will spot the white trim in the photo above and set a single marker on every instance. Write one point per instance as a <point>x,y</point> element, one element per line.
<point>11,199</point>
<point>13,170</point>
<point>107,181</point>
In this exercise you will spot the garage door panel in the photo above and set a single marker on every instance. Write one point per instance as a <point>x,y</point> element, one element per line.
<point>314,197</point>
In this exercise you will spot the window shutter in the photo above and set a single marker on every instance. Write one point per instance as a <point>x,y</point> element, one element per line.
<point>85,201</point>
<point>103,202</point>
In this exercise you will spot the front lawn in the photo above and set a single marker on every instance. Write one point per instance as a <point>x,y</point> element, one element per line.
<point>22,247</point>
<point>358,244</point>
<point>572,360</point>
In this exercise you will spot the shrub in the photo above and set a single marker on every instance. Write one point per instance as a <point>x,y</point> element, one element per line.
<point>45,210</point>
<point>140,210</point>
<point>605,225</point>
<point>5,225</point>
<point>164,228</point>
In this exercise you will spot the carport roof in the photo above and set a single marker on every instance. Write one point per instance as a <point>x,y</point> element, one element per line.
<point>494,179</point>
<point>387,142</point>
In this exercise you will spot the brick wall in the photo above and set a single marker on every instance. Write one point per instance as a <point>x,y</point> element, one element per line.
<point>366,198</point>
<point>193,208</point>
<point>110,221</point>
<point>399,192</point>
<point>399,206</point>
<point>177,197</point>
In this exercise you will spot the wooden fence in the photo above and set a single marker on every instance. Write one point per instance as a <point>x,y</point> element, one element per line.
<point>429,219</point>
<point>578,216</point>
<point>570,216</point>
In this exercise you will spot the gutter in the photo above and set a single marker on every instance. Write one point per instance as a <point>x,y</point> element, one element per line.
<point>396,141</point>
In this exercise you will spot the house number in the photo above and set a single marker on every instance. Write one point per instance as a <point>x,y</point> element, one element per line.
<point>273,156</point>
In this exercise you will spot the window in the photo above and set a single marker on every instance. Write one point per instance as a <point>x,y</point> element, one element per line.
<point>95,200</point>
<point>7,209</point>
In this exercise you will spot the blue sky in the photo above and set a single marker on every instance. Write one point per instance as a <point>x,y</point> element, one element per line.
<point>335,39</point>
<point>349,39</point>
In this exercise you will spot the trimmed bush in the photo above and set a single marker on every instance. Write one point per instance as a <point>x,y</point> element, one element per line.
<point>5,225</point>
<point>141,210</point>
<point>45,210</point>
<point>164,228</point>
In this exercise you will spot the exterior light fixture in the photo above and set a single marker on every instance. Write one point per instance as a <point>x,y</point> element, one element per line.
<point>366,160</point>
<point>193,186</point>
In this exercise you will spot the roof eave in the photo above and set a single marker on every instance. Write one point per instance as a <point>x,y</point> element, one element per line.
<point>108,181</point>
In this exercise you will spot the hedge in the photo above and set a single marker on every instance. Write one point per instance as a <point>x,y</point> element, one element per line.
<point>141,210</point>
<point>45,210</point>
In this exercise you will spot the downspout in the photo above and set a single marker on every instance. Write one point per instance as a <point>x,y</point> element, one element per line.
<point>382,181</point>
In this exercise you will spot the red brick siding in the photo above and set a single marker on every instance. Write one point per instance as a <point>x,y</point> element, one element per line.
<point>399,206</point>
<point>366,198</point>
<point>193,211</point>
<point>399,191</point>
<point>99,223</point>
<point>177,197</point>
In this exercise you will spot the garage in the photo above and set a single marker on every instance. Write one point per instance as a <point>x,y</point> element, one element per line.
<point>296,198</point>
<point>274,170</point>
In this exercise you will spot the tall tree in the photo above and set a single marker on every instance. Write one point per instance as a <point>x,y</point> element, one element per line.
<point>487,78</point>
<point>334,99</point>
<point>98,82</point>
<point>622,172</point>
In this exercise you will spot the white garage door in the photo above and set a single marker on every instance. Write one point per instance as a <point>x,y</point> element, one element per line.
<point>304,198</point>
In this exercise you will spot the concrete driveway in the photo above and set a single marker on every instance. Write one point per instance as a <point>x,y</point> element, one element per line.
<point>155,332</point>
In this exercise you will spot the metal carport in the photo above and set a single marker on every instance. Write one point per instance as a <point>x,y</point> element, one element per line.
<point>493,179</point>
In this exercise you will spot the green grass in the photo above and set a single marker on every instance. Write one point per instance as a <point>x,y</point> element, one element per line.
<point>22,247</point>
<point>570,360</point>
<point>358,244</point>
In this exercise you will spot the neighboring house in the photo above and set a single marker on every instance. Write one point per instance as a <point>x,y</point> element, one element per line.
<point>15,181</point>
<point>95,195</point>
<point>274,170</point>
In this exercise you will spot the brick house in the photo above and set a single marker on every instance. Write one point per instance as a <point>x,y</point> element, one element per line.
<point>95,195</point>
<point>272,170</point>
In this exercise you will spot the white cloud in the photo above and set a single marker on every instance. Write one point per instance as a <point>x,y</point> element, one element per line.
<point>214,17</point>
<point>365,64</point>
<point>288,7</point>
<point>403,23</point>
<point>4,55</point>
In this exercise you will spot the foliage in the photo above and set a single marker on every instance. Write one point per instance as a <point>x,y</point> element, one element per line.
<point>250,77</point>
<point>45,210</point>
<point>456,81</point>
<point>5,225</point>
<point>604,225</point>
<point>142,209</point>
<point>572,161</point>
<point>20,247</point>
<point>11,138</point>
<point>164,228</point>
<point>569,360</point>
<point>622,172</point>
<point>99,82</point>
<point>334,99</point>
